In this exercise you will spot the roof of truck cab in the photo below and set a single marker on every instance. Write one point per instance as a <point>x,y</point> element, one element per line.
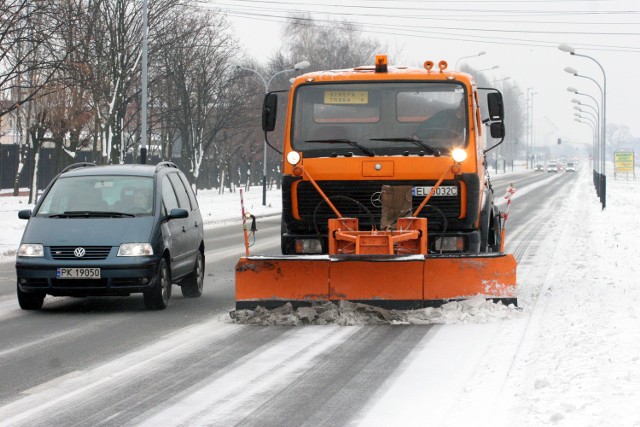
<point>393,73</point>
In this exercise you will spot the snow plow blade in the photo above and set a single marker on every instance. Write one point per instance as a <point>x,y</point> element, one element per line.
<point>389,281</point>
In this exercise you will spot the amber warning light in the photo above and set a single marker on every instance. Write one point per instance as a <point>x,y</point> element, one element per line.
<point>381,63</point>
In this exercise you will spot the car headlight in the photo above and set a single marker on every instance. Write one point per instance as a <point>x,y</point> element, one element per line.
<point>135,249</point>
<point>31,250</point>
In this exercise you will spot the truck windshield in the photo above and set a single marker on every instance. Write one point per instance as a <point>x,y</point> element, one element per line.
<point>385,118</point>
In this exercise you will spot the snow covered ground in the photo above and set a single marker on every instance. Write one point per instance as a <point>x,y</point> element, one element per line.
<point>570,358</point>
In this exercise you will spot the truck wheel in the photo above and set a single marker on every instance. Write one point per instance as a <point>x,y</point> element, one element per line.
<point>192,286</point>
<point>285,242</point>
<point>157,298</point>
<point>495,232</point>
<point>30,300</point>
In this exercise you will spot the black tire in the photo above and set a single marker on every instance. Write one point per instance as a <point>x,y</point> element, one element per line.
<point>285,242</point>
<point>157,298</point>
<point>30,300</point>
<point>193,284</point>
<point>495,231</point>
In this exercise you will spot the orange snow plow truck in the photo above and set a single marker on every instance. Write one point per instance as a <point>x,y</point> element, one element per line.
<point>385,196</point>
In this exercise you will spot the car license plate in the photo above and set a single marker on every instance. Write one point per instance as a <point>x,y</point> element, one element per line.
<point>442,191</point>
<point>78,273</point>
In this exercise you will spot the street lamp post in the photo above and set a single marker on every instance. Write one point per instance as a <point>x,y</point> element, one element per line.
<point>594,129</point>
<point>470,56</point>
<point>495,67</point>
<point>531,134</point>
<point>299,66</point>
<point>143,92</point>
<point>596,151</point>
<point>603,176</point>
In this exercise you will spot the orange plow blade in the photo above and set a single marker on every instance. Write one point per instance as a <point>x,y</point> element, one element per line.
<point>389,281</point>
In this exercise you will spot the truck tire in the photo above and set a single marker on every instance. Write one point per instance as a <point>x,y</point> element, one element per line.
<point>495,231</point>
<point>285,242</point>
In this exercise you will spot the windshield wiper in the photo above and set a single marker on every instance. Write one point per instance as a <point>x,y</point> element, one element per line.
<point>364,149</point>
<point>415,141</point>
<point>87,214</point>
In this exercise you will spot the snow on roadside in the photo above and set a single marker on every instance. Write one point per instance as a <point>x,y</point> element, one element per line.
<point>579,363</point>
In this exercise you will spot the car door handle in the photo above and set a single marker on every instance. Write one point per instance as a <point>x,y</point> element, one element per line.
<point>184,229</point>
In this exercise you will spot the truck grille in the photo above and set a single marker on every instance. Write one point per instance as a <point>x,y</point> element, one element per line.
<point>91,253</point>
<point>362,192</point>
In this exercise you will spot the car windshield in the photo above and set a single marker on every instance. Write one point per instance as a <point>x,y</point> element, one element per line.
<point>395,118</point>
<point>101,195</point>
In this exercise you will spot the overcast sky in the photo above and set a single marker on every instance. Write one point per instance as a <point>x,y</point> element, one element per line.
<point>518,36</point>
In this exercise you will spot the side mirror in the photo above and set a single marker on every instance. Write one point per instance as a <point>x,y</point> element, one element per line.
<point>24,214</point>
<point>177,213</point>
<point>269,112</point>
<point>497,130</point>
<point>496,106</point>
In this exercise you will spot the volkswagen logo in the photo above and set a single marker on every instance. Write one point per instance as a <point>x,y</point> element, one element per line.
<point>79,252</point>
<point>376,199</point>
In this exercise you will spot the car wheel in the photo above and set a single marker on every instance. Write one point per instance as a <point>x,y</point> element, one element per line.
<point>157,298</point>
<point>30,300</point>
<point>193,284</point>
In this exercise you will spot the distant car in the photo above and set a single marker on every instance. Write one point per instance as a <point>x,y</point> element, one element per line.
<point>112,231</point>
<point>539,168</point>
<point>552,167</point>
<point>570,167</point>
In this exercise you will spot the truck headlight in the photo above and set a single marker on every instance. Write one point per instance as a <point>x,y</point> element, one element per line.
<point>135,249</point>
<point>459,155</point>
<point>31,250</point>
<point>293,157</point>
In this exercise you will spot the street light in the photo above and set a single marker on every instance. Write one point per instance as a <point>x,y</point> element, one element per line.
<point>598,143</point>
<point>487,69</point>
<point>531,133</point>
<point>603,178</point>
<point>470,56</point>
<point>143,82</point>
<point>500,80</point>
<point>594,130</point>
<point>298,66</point>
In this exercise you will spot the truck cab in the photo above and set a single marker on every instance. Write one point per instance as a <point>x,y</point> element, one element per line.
<point>378,141</point>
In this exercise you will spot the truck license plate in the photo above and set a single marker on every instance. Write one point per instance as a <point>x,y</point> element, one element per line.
<point>78,273</point>
<point>447,190</point>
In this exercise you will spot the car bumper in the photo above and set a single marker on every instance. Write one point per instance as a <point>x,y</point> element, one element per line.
<point>131,275</point>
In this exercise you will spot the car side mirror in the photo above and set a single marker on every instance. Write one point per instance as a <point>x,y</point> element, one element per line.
<point>24,214</point>
<point>269,112</point>
<point>178,213</point>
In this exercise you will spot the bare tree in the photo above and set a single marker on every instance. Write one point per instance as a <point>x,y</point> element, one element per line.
<point>202,102</point>
<point>27,31</point>
<point>328,45</point>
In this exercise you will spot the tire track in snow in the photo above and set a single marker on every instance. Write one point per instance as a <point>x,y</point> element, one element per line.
<point>342,382</point>
<point>49,402</point>
<point>227,399</point>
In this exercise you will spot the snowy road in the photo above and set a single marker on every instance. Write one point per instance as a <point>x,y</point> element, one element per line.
<point>110,363</point>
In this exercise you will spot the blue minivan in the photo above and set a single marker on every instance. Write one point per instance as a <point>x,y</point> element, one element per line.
<point>112,231</point>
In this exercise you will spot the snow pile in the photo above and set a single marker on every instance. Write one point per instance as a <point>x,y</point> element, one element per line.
<point>346,313</point>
